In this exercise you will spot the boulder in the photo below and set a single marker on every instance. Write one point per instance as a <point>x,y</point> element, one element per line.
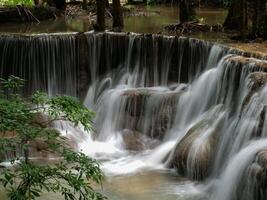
<point>136,141</point>
<point>194,154</point>
<point>254,179</point>
<point>40,119</point>
<point>133,140</point>
<point>135,101</point>
<point>150,111</point>
<point>257,81</point>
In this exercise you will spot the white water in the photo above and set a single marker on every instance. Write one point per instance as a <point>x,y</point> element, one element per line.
<point>210,97</point>
<point>229,180</point>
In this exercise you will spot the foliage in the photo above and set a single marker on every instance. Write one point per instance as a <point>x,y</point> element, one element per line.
<point>28,179</point>
<point>16,2</point>
<point>226,3</point>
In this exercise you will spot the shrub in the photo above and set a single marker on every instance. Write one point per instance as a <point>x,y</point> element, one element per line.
<point>28,179</point>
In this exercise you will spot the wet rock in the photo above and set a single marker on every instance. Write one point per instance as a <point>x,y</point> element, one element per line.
<point>42,120</point>
<point>135,101</point>
<point>246,61</point>
<point>253,185</point>
<point>194,154</point>
<point>162,115</point>
<point>136,141</point>
<point>150,111</point>
<point>133,140</point>
<point>132,122</point>
<point>257,80</point>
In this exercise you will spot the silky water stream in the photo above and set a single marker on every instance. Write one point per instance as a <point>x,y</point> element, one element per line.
<point>176,118</point>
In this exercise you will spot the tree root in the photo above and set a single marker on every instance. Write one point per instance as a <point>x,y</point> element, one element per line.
<point>192,27</point>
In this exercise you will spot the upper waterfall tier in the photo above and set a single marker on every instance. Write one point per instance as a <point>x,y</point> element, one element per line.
<point>68,63</point>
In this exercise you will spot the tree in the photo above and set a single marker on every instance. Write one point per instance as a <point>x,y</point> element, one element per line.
<point>187,10</point>
<point>237,16</point>
<point>260,18</point>
<point>60,4</point>
<point>244,12</point>
<point>21,131</point>
<point>84,4</point>
<point>100,7</point>
<point>117,14</point>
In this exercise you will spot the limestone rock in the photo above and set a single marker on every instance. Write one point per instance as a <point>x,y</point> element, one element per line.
<point>133,140</point>
<point>254,180</point>
<point>194,154</point>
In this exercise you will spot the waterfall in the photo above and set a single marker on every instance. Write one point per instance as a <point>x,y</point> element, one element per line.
<point>161,102</point>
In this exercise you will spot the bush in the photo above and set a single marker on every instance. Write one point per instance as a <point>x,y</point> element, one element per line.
<point>28,179</point>
<point>16,2</point>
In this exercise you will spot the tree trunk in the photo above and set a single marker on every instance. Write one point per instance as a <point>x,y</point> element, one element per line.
<point>100,6</point>
<point>117,14</point>
<point>36,2</point>
<point>259,28</point>
<point>244,18</point>
<point>60,4</point>
<point>187,11</point>
<point>84,5</point>
<point>107,4</point>
<point>237,16</point>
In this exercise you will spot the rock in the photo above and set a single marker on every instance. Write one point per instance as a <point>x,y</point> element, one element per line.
<point>41,120</point>
<point>8,134</point>
<point>257,80</point>
<point>194,154</point>
<point>135,101</point>
<point>254,179</point>
<point>133,140</point>
<point>246,61</point>
<point>160,111</point>
<point>132,122</point>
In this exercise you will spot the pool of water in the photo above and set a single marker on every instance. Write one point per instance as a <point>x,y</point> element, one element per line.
<point>152,185</point>
<point>159,17</point>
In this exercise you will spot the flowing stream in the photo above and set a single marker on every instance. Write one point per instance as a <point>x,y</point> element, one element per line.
<point>163,105</point>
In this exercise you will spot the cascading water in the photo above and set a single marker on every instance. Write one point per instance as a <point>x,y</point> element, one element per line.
<point>161,102</point>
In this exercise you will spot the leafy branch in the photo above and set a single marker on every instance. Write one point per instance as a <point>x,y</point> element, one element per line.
<point>23,130</point>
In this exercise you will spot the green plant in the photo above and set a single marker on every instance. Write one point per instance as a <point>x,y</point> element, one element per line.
<point>16,2</point>
<point>20,131</point>
<point>226,3</point>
